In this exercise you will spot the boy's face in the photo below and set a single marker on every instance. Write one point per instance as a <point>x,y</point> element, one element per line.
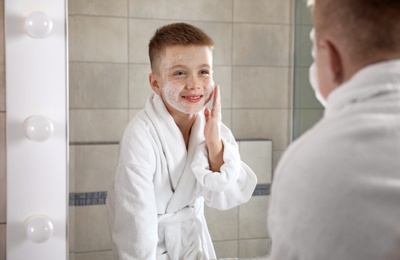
<point>184,78</point>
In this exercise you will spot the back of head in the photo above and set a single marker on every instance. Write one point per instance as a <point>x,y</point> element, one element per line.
<point>368,29</point>
<point>176,34</point>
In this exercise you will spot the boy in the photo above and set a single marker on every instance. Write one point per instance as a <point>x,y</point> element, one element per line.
<point>174,155</point>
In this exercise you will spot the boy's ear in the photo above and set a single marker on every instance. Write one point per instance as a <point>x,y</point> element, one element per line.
<point>154,83</point>
<point>333,62</point>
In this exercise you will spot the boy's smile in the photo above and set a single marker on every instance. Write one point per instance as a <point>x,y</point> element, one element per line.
<point>184,80</point>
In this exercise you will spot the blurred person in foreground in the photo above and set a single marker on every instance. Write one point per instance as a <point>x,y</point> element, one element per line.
<point>336,191</point>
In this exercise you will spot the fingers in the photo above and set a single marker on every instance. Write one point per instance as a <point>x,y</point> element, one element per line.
<point>216,108</point>
<point>207,113</point>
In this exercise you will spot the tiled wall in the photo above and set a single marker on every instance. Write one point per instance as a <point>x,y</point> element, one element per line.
<point>242,231</point>
<point>307,109</point>
<point>109,83</point>
<point>2,138</point>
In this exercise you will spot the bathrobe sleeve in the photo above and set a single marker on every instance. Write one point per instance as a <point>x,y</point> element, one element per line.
<point>131,201</point>
<point>235,182</point>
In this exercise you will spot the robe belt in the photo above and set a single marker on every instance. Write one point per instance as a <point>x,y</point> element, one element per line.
<point>172,226</point>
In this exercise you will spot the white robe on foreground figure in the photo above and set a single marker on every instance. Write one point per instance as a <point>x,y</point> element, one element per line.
<point>155,205</point>
<point>336,191</point>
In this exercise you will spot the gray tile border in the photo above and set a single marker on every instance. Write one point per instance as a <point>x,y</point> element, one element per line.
<point>87,198</point>
<point>99,197</point>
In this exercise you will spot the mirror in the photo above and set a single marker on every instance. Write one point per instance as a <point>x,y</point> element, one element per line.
<point>108,79</point>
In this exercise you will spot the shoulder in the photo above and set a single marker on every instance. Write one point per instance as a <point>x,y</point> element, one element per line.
<point>138,126</point>
<point>323,148</point>
<point>139,138</point>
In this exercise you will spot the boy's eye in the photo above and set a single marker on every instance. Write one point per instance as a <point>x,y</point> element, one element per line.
<point>204,72</point>
<point>179,73</point>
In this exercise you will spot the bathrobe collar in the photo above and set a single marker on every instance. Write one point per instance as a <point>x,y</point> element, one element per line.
<point>182,179</point>
<point>370,82</point>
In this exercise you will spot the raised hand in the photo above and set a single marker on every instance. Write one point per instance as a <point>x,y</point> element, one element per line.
<point>212,132</point>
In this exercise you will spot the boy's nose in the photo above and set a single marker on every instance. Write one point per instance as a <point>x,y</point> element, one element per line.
<point>193,83</point>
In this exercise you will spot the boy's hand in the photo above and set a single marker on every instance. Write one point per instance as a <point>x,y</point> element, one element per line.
<point>212,132</point>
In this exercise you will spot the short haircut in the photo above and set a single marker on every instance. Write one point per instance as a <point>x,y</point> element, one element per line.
<point>366,27</point>
<point>176,34</point>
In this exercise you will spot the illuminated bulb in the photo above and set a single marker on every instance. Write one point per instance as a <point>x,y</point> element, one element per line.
<point>38,24</point>
<point>38,228</point>
<point>38,128</point>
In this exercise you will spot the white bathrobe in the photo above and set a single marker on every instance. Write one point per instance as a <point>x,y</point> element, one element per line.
<point>155,206</point>
<point>336,191</point>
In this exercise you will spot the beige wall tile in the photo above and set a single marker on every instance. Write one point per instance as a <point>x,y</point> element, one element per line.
<point>261,44</point>
<point>101,39</point>
<point>221,33</point>
<point>259,248</point>
<point>223,77</point>
<point>98,85</point>
<point>3,236</point>
<point>97,125</point>
<point>98,7</point>
<point>222,230</point>
<point>227,118</point>
<point>139,86</point>
<point>226,249</point>
<point>205,10</point>
<point>94,167</point>
<point>91,229</point>
<point>140,32</point>
<point>3,173</point>
<point>258,156</point>
<point>103,255</point>
<point>253,218</point>
<point>260,87</point>
<point>270,124</point>
<point>262,11</point>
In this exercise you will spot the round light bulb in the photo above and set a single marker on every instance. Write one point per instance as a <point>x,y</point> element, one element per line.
<point>38,24</point>
<point>38,128</point>
<point>38,228</point>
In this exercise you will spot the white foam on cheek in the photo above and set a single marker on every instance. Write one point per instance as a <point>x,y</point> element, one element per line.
<point>170,92</point>
<point>171,95</point>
